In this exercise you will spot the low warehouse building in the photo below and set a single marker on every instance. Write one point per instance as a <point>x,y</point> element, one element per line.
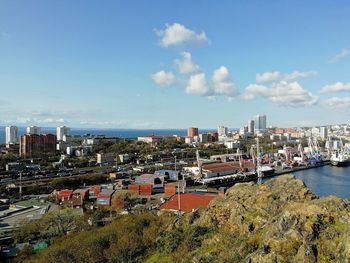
<point>188,202</point>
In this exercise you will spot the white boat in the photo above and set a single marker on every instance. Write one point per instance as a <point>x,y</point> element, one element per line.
<point>340,158</point>
<point>267,170</point>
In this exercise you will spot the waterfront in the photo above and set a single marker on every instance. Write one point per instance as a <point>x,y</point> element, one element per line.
<point>327,180</point>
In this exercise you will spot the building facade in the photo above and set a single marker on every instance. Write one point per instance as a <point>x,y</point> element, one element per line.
<point>192,132</point>
<point>105,158</point>
<point>222,131</point>
<point>260,122</point>
<point>204,138</point>
<point>11,135</point>
<point>323,133</point>
<point>214,136</point>
<point>251,125</point>
<point>34,145</point>
<point>34,130</point>
<point>62,132</point>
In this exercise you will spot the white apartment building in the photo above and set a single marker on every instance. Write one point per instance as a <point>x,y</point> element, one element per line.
<point>62,133</point>
<point>34,130</point>
<point>11,135</point>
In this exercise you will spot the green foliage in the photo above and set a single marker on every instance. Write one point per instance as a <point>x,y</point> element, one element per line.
<point>6,158</point>
<point>128,239</point>
<point>124,146</point>
<point>52,225</point>
<point>248,225</point>
<point>25,253</point>
<point>82,161</point>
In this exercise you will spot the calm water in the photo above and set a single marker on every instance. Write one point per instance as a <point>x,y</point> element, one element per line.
<point>327,180</point>
<point>121,133</point>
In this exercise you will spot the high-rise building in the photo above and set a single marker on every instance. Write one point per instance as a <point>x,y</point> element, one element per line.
<point>260,122</point>
<point>62,132</point>
<point>251,126</point>
<point>323,132</point>
<point>204,137</point>
<point>32,145</point>
<point>34,130</point>
<point>222,131</point>
<point>11,135</point>
<point>214,136</point>
<point>192,132</point>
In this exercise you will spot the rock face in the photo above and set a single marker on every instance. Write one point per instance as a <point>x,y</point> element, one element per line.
<point>279,221</point>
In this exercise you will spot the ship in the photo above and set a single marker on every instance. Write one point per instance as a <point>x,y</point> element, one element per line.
<point>340,158</point>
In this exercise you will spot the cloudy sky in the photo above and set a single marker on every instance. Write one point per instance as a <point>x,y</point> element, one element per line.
<point>162,64</point>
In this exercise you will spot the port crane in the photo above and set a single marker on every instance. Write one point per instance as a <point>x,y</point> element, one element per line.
<point>314,150</point>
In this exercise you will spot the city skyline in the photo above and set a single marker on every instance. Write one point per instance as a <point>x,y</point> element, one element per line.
<point>136,65</point>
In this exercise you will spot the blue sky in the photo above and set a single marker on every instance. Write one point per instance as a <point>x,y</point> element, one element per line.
<point>162,64</point>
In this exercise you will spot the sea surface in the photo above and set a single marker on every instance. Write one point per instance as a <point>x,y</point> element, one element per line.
<point>327,180</point>
<point>121,133</point>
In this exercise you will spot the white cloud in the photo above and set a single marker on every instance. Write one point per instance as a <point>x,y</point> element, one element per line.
<point>267,77</point>
<point>336,87</point>
<point>299,74</point>
<point>337,102</point>
<point>163,78</point>
<point>222,84</point>
<point>197,85</point>
<point>253,90</point>
<point>177,34</point>
<point>186,65</point>
<point>30,120</point>
<point>277,76</point>
<point>282,93</point>
<point>342,54</point>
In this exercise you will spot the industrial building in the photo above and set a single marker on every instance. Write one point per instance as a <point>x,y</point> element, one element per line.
<point>188,202</point>
<point>228,168</point>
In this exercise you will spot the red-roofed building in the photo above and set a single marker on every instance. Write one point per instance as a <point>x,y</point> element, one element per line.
<point>188,202</point>
<point>64,194</point>
<point>74,201</point>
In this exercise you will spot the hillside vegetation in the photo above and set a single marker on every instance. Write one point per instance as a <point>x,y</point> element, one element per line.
<point>279,221</point>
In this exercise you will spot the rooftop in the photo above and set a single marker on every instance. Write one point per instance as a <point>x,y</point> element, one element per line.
<point>218,167</point>
<point>188,202</point>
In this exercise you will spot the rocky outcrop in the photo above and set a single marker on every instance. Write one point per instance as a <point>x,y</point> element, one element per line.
<point>279,221</point>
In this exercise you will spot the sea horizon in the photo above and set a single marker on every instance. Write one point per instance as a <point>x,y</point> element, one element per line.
<point>124,133</point>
